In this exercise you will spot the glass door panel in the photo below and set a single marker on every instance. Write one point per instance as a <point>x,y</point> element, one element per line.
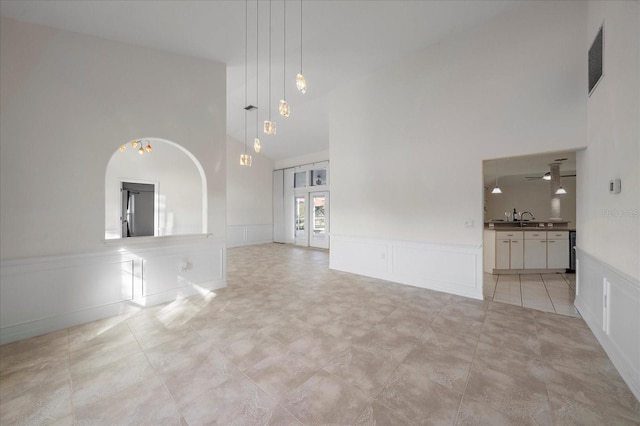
<point>319,233</point>
<point>300,219</point>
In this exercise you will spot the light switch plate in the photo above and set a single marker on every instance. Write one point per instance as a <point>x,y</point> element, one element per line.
<point>615,186</point>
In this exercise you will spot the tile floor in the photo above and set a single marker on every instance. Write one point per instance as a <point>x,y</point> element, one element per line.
<point>544,292</point>
<point>289,342</point>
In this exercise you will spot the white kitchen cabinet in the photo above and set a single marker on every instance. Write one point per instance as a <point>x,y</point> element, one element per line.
<point>509,250</point>
<point>503,254</point>
<point>535,250</point>
<point>557,250</point>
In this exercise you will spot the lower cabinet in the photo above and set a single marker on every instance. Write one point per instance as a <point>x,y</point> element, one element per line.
<point>532,250</point>
<point>509,250</point>
<point>535,250</point>
<point>557,250</point>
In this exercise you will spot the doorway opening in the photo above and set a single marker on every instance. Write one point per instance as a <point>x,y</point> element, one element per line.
<point>529,230</point>
<point>138,211</point>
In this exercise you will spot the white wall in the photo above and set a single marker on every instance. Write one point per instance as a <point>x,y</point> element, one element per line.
<point>67,102</point>
<point>530,195</point>
<point>611,223</point>
<point>407,142</point>
<point>178,181</point>
<point>608,285</point>
<point>249,197</point>
<point>314,157</point>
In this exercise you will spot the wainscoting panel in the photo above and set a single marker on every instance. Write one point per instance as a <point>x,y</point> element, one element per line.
<point>44,294</point>
<point>609,302</point>
<point>248,235</point>
<point>451,268</point>
<point>176,269</point>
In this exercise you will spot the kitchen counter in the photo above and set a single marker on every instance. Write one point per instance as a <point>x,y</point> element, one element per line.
<point>533,225</point>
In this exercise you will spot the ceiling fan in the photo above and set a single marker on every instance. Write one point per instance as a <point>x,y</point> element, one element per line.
<point>546,176</point>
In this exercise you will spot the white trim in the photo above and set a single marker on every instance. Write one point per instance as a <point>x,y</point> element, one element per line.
<point>618,326</point>
<point>44,294</point>
<point>450,268</point>
<point>249,235</point>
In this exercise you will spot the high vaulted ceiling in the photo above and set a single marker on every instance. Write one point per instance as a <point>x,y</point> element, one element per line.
<point>342,41</point>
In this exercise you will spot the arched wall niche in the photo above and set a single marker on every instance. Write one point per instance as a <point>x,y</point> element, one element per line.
<point>180,201</point>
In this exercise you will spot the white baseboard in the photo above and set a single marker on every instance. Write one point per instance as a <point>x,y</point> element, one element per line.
<point>450,268</point>
<point>249,235</point>
<point>44,294</point>
<point>616,322</point>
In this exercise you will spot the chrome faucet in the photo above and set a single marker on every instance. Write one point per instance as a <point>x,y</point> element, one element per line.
<point>522,217</point>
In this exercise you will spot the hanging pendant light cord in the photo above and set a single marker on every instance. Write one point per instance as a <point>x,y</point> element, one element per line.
<point>246,43</point>
<point>257,78</point>
<point>300,36</point>
<point>269,60</point>
<point>284,54</point>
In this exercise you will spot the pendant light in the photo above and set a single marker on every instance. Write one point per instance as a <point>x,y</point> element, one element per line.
<point>561,191</point>
<point>301,83</point>
<point>245,159</point>
<point>496,189</point>
<point>269,126</point>
<point>257,146</point>
<point>137,143</point>
<point>283,107</point>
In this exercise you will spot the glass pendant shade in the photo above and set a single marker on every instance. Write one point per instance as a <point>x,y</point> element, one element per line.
<point>141,150</point>
<point>122,148</point>
<point>256,145</point>
<point>134,144</point>
<point>301,83</point>
<point>148,148</point>
<point>245,160</point>
<point>270,127</point>
<point>284,108</point>
<point>561,191</point>
<point>496,189</point>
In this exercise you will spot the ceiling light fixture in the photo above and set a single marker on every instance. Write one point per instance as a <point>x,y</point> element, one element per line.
<point>137,143</point>
<point>561,191</point>
<point>496,189</point>
<point>301,83</point>
<point>245,159</point>
<point>269,126</point>
<point>283,107</point>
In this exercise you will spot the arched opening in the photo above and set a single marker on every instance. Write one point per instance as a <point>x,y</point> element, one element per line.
<point>169,177</point>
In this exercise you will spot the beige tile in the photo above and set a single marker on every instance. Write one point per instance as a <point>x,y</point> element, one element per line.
<point>575,392</point>
<point>462,345</point>
<point>92,386</point>
<point>325,399</point>
<point>236,401</point>
<point>247,352</point>
<point>366,371</point>
<point>35,396</point>
<point>345,329</point>
<point>34,353</point>
<point>279,374</point>
<point>191,370</point>
<point>384,343</point>
<point>143,403</point>
<point>525,343</point>
<point>418,399</point>
<point>319,346</point>
<point>110,331</point>
<point>377,414</point>
<point>439,366</point>
<point>474,412</point>
<point>521,398</point>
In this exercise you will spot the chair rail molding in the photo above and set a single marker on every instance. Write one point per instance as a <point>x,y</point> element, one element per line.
<point>43,294</point>
<point>450,268</point>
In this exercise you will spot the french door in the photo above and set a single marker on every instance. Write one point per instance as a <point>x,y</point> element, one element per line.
<point>312,219</point>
